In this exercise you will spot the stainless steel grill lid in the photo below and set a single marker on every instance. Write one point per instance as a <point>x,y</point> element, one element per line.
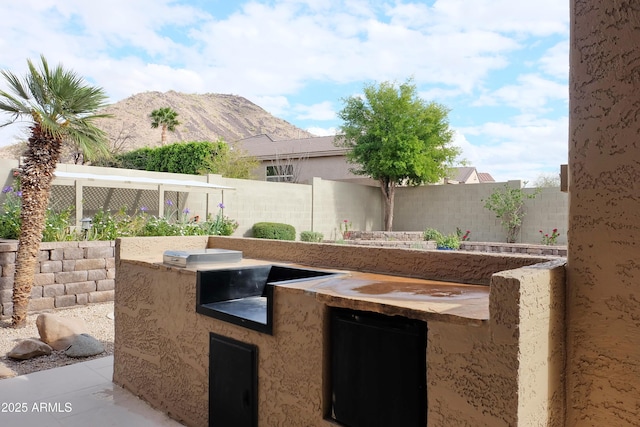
<point>191,257</point>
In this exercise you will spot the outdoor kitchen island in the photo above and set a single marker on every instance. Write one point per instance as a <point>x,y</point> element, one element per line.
<point>490,324</point>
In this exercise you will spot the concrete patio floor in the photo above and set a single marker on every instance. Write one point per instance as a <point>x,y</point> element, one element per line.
<point>81,394</point>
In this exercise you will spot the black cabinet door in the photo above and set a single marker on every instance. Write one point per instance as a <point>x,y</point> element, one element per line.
<point>378,370</point>
<point>233,383</point>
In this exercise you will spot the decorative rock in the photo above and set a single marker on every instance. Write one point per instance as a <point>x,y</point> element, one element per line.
<point>84,345</point>
<point>29,348</point>
<point>6,372</point>
<point>59,332</point>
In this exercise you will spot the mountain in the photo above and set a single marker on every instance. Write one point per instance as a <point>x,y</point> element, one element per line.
<point>202,117</point>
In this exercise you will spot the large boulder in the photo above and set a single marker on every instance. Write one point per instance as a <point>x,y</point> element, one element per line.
<point>84,345</point>
<point>59,332</point>
<point>29,348</point>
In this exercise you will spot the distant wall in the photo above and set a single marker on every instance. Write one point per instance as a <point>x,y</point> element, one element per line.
<point>445,207</point>
<point>68,274</point>
<point>321,205</point>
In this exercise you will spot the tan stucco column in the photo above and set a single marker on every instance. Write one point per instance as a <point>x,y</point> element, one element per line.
<point>603,298</point>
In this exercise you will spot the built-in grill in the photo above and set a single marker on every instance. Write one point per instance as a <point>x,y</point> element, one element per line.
<point>195,257</point>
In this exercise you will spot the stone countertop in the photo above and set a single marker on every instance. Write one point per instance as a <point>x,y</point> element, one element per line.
<point>421,299</point>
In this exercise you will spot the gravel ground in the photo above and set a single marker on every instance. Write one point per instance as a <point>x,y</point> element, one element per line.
<point>99,325</point>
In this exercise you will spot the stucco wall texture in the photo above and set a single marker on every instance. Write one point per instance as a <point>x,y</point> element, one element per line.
<point>505,371</point>
<point>603,314</point>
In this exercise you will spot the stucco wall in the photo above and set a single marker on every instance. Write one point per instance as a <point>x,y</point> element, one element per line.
<point>454,266</point>
<point>445,207</point>
<point>162,349</point>
<point>509,370</point>
<point>603,363</point>
<point>506,371</point>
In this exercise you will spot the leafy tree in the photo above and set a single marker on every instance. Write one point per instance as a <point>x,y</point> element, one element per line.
<point>508,205</point>
<point>166,118</point>
<point>547,180</point>
<point>233,162</point>
<point>61,108</point>
<point>396,138</point>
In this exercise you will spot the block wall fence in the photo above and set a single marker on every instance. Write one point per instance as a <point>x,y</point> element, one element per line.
<point>320,205</point>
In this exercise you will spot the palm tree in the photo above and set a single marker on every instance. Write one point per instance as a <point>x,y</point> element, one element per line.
<point>60,107</point>
<point>166,118</point>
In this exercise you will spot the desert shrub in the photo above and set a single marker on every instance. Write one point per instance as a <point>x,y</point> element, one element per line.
<point>431,234</point>
<point>449,241</point>
<point>508,205</point>
<point>311,236</point>
<point>219,225</point>
<point>57,226</point>
<point>57,223</point>
<point>274,230</point>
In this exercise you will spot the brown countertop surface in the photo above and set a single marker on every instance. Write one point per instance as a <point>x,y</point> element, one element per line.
<point>415,298</point>
<point>394,295</point>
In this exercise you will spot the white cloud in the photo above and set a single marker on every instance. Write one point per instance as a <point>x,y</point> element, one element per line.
<point>518,150</point>
<point>318,131</point>
<point>532,93</point>
<point>276,105</point>
<point>321,111</point>
<point>540,18</point>
<point>555,62</point>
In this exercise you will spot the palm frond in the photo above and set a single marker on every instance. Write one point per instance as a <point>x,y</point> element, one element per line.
<point>60,102</point>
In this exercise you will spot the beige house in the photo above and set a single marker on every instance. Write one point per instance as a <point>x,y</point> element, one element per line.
<point>467,175</point>
<point>300,160</point>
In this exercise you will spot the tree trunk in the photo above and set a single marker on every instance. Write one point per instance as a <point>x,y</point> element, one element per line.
<point>42,155</point>
<point>163,137</point>
<point>389,190</point>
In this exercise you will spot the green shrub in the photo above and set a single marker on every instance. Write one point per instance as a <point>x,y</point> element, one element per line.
<point>508,205</point>
<point>219,225</point>
<point>311,236</point>
<point>193,158</point>
<point>274,230</point>
<point>10,215</point>
<point>450,241</point>
<point>57,226</point>
<point>57,222</point>
<point>431,234</point>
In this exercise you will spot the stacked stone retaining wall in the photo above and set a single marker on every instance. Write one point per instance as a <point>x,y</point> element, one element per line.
<point>415,240</point>
<point>68,274</point>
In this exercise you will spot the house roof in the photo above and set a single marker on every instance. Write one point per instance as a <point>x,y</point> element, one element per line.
<point>462,174</point>
<point>264,147</point>
<point>485,177</point>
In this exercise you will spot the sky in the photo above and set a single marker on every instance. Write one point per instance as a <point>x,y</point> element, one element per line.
<point>500,66</point>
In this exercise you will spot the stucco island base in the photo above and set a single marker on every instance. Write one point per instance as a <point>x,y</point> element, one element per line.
<point>494,356</point>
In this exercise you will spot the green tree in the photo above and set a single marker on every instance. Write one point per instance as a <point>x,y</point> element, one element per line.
<point>166,118</point>
<point>508,205</point>
<point>233,162</point>
<point>547,180</point>
<point>61,108</point>
<point>396,138</point>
